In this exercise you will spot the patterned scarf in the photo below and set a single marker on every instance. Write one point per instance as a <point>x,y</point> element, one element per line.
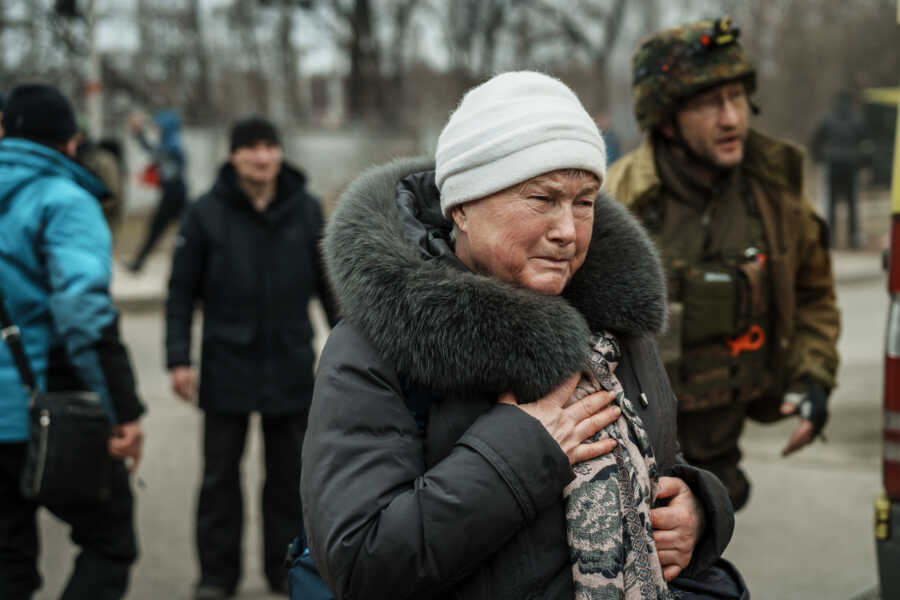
<point>608,503</point>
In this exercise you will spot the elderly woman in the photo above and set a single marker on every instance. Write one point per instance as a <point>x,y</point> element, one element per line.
<point>491,418</point>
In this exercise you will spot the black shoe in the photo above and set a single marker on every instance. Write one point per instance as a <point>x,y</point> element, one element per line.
<point>211,591</point>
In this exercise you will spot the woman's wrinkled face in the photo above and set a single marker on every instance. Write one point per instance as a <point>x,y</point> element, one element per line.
<point>534,234</point>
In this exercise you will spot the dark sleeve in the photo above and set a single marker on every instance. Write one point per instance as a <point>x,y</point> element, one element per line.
<point>119,374</point>
<point>381,525</point>
<point>115,368</point>
<point>817,318</point>
<point>323,285</point>
<point>185,283</point>
<point>717,510</point>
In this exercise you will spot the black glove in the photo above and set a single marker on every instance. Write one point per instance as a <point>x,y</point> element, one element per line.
<point>811,403</point>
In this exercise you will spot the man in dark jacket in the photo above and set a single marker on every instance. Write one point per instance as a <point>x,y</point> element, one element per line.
<point>55,263</point>
<point>248,251</point>
<point>838,142</point>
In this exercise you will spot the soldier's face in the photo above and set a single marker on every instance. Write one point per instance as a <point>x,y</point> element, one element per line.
<point>714,124</point>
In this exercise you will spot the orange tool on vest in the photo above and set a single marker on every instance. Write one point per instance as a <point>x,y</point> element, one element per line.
<point>752,339</point>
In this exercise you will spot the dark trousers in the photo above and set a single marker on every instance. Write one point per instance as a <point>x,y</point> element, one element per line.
<point>842,184</point>
<point>104,531</point>
<point>220,508</point>
<point>709,440</point>
<point>171,204</point>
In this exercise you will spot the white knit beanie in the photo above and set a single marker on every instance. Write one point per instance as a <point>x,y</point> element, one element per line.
<point>511,128</point>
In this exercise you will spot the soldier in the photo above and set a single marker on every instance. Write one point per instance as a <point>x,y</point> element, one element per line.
<point>753,321</point>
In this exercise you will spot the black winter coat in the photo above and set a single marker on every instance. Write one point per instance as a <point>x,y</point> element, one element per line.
<point>473,507</point>
<point>254,274</point>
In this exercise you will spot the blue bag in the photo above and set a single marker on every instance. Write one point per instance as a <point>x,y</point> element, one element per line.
<point>304,581</point>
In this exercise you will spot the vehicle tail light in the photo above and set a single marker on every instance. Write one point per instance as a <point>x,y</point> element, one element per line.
<point>894,255</point>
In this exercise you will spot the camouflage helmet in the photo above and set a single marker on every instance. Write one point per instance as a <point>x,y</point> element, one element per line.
<point>672,65</point>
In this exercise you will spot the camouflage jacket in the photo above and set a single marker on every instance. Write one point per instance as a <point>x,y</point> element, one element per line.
<point>807,321</point>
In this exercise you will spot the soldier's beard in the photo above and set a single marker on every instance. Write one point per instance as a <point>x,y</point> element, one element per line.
<point>707,158</point>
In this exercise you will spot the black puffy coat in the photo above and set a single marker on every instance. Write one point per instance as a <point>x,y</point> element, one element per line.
<point>473,508</point>
<point>254,274</point>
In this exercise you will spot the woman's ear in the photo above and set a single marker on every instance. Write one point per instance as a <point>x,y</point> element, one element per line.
<point>458,214</point>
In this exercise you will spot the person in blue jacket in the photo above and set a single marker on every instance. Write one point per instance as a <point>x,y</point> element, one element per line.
<point>55,263</point>
<point>169,158</point>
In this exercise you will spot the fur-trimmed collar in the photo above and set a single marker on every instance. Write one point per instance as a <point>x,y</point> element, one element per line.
<point>451,330</point>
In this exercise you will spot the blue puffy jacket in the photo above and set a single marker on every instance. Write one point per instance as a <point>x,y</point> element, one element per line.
<point>55,262</point>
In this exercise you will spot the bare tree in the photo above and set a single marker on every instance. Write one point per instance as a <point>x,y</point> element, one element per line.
<point>192,55</point>
<point>402,17</point>
<point>351,25</point>
<point>365,86</point>
<point>287,57</point>
<point>243,17</point>
<point>288,60</point>
<point>472,30</point>
<point>579,28</point>
<point>202,91</point>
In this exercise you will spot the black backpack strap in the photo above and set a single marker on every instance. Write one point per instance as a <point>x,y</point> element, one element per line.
<point>12,335</point>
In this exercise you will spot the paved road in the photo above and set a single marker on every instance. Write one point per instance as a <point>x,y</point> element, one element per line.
<point>808,530</point>
<point>807,533</point>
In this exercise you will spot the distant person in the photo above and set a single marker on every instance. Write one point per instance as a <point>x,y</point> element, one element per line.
<point>169,162</point>
<point>55,263</point>
<point>248,253</point>
<point>610,138</point>
<point>838,142</point>
<point>753,323</point>
<point>105,159</point>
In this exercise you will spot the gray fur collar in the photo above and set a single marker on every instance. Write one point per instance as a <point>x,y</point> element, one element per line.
<point>452,331</point>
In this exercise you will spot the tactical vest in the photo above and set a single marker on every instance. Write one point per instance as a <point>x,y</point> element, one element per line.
<point>716,348</point>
